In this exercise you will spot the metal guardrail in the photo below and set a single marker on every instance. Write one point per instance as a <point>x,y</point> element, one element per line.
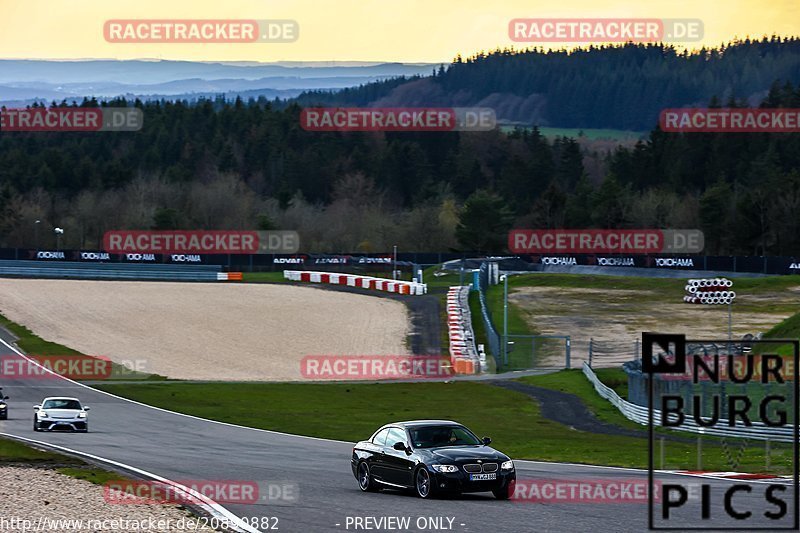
<point>492,336</point>
<point>639,414</point>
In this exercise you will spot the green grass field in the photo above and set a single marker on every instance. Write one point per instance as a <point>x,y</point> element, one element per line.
<point>351,412</point>
<point>588,133</point>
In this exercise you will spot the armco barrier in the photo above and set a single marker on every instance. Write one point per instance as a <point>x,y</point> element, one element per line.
<point>354,280</point>
<point>115,271</point>
<point>463,355</point>
<point>492,336</point>
<point>639,414</point>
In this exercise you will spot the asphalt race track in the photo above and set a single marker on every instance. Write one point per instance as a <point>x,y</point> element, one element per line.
<point>179,447</point>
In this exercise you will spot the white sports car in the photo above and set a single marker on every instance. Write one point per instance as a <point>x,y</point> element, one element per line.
<point>60,414</point>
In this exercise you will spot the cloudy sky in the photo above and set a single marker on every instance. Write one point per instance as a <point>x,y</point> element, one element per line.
<point>354,30</point>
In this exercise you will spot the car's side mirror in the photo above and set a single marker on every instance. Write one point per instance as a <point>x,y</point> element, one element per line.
<point>5,397</point>
<point>37,407</point>
<point>487,441</point>
<point>399,446</point>
<point>87,408</point>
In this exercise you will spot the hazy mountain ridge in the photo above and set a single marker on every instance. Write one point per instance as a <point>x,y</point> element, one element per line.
<point>25,81</point>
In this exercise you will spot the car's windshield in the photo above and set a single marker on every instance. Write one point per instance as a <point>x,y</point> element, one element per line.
<point>438,436</point>
<point>62,404</point>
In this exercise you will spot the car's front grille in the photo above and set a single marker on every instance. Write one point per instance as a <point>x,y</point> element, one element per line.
<point>473,468</point>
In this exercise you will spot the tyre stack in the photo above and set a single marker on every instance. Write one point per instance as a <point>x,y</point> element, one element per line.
<point>716,291</point>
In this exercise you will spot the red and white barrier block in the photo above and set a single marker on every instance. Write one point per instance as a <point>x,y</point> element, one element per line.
<point>354,280</point>
<point>229,276</point>
<point>463,355</point>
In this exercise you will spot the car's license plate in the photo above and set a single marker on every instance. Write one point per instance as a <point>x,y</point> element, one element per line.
<point>482,477</point>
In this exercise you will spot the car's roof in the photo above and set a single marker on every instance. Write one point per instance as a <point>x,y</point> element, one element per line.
<point>60,398</point>
<point>412,423</point>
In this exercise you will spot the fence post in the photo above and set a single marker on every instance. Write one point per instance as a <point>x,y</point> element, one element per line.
<point>569,348</point>
<point>590,352</point>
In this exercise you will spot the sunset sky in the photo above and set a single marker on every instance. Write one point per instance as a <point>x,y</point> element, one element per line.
<point>354,30</point>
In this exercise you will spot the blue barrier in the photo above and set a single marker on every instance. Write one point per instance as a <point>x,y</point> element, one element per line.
<point>108,271</point>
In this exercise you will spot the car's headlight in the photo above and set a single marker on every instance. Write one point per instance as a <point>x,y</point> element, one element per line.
<point>507,465</point>
<point>2,406</point>
<point>81,415</point>
<point>445,468</point>
<point>43,414</point>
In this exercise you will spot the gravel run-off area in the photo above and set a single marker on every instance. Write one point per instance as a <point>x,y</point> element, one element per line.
<point>207,331</point>
<point>616,318</point>
<point>33,493</point>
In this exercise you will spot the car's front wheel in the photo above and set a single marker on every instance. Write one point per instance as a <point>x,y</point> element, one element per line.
<point>365,481</point>
<point>423,483</point>
<point>35,425</point>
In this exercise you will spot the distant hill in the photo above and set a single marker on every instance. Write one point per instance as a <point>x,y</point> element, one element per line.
<point>25,81</point>
<point>615,87</point>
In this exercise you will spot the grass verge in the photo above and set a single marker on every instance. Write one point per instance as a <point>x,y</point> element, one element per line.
<point>16,453</point>
<point>351,412</point>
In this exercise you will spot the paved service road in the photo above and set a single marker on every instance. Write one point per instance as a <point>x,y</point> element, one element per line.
<point>185,448</point>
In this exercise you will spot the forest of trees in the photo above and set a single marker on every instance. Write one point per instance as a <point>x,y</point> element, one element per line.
<point>249,165</point>
<point>614,86</point>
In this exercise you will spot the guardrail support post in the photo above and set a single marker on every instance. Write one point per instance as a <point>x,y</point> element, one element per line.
<point>767,453</point>
<point>590,351</point>
<point>699,453</point>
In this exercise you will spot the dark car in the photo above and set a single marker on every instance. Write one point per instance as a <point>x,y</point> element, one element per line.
<point>431,457</point>
<point>3,406</point>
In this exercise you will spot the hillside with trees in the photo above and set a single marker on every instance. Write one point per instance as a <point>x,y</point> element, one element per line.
<point>223,164</point>
<point>618,87</point>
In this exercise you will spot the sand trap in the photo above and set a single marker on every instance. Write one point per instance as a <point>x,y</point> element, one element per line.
<point>615,318</point>
<point>206,331</point>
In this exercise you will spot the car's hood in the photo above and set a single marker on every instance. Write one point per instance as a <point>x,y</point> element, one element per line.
<point>62,413</point>
<point>463,453</point>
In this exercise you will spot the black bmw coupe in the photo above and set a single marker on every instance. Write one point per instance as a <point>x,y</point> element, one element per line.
<point>431,457</point>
